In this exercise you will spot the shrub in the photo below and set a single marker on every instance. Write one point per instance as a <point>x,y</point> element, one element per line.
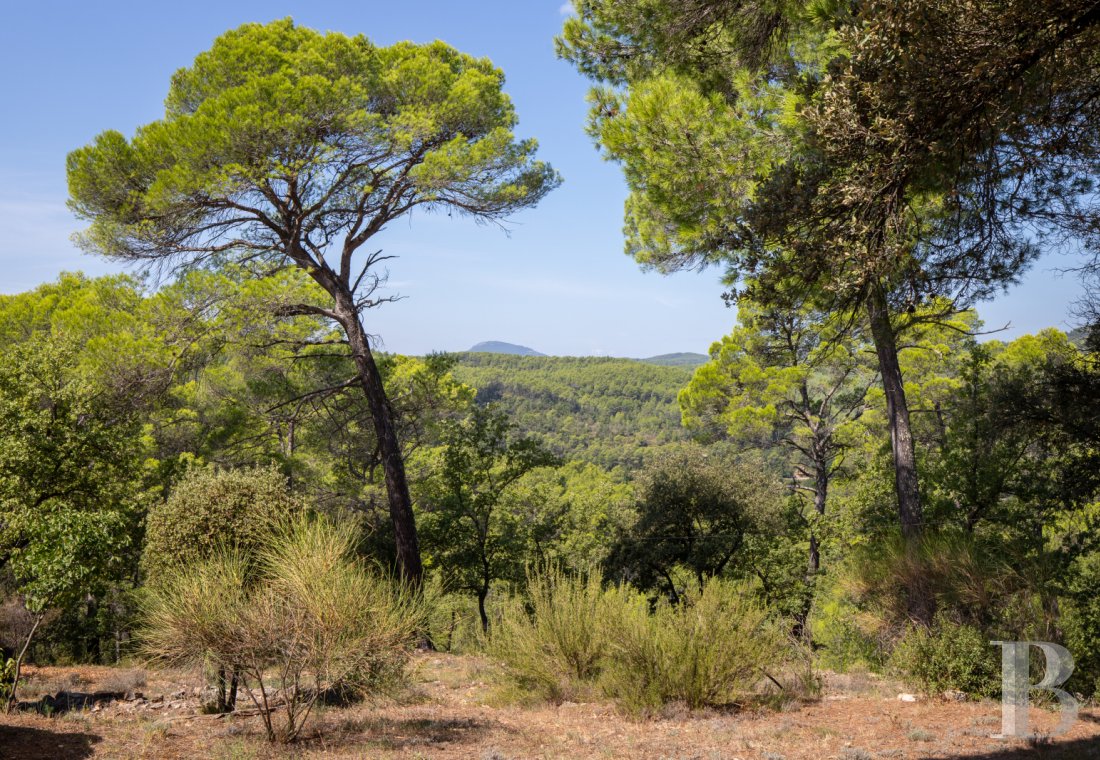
<point>949,656</point>
<point>209,509</point>
<point>553,641</point>
<point>1080,620</point>
<point>846,635</point>
<point>313,615</point>
<point>709,651</point>
<point>863,613</point>
<point>453,623</point>
<point>7,678</point>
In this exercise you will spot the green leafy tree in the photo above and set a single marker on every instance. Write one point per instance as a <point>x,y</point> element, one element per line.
<point>567,514</point>
<point>70,486</point>
<point>695,510</point>
<point>790,379</point>
<point>470,536</point>
<point>281,146</point>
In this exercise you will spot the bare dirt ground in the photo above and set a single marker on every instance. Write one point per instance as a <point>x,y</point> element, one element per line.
<point>455,710</point>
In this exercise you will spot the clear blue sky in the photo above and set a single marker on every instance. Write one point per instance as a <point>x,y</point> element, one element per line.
<point>558,283</point>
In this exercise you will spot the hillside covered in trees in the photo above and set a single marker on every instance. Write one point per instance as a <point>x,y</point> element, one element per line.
<point>610,412</point>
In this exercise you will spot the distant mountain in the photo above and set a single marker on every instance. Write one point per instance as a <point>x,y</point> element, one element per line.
<point>500,347</point>
<point>678,360</point>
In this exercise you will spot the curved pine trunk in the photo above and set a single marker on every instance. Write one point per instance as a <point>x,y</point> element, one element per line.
<point>393,463</point>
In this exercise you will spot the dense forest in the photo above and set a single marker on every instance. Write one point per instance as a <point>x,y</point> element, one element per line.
<point>610,412</point>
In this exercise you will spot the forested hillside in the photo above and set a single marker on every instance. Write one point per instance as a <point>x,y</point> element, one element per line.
<point>606,411</point>
<point>682,359</point>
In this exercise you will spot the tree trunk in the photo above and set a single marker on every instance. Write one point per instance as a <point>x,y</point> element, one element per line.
<point>920,600</point>
<point>482,593</point>
<point>231,697</point>
<point>393,463</point>
<point>12,696</point>
<point>92,646</point>
<point>821,492</point>
<point>897,415</point>
<point>220,700</point>
<point>813,566</point>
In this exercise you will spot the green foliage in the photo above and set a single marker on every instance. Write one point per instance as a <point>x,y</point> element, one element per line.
<point>949,657</point>
<point>70,486</point>
<point>682,359</point>
<point>468,536</point>
<point>613,413</point>
<point>863,614</point>
<point>333,115</point>
<point>569,637</point>
<point>682,86</point>
<point>792,378</point>
<point>994,460</point>
<point>713,649</point>
<point>312,619</point>
<point>848,637</point>
<point>211,509</point>
<point>553,641</point>
<point>695,509</point>
<point>69,473</point>
<point>568,512</point>
<point>1080,620</point>
<point>452,623</point>
<point>8,675</point>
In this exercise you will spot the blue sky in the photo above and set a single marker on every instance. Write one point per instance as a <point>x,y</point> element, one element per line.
<point>558,282</point>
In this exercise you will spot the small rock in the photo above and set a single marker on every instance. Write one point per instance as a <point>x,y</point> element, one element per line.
<point>907,698</point>
<point>954,695</point>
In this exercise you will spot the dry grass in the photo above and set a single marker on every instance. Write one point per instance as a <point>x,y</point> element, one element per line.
<point>450,717</point>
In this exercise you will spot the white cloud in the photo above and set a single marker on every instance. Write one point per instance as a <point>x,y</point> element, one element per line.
<point>566,8</point>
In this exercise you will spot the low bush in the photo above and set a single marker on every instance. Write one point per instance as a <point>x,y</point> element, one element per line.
<point>714,650</point>
<point>210,508</point>
<point>863,611</point>
<point>312,615</point>
<point>949,656</point>
<point>569,638</point>
<point>552,642</point>
<point>453,623</point>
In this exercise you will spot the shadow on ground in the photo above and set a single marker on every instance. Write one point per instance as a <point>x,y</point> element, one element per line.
<point>1069,749</point>
<point>66,701</point>
<point>29,743</point>
<point>406,734</point>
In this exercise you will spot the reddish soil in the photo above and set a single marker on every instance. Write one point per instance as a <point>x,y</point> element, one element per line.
<point>454,710</point>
